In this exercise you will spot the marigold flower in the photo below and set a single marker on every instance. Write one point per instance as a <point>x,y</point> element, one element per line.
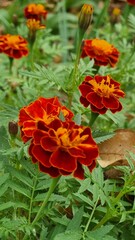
<point>131,2</point>
<point>101,93</point>
<point>34,25</point>
<point>101,51</point>
<point>64,149</point>
<point>35,11</point>
<point>40,114</point>
<point>14,46</point>
<point>85,16</point>
<point>116,11</point>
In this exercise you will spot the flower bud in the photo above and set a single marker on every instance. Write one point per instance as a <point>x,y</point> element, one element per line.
<point>85,16</point>
<point>13,128</point>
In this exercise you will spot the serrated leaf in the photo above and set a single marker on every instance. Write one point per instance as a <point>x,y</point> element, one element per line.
<point>20,189</point>
<point>84,185</point>
<point>3,178</point>
<point>68,235</point>
<point>21,176</point>
<point>6,205</point>
<point>98,234</point>
<point>75,223</point>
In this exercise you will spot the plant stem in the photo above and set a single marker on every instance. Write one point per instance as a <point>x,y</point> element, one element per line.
<point>111,212</point>
<point>101,16</point>
<point>79,37</point>
<point>90,218</point>
<point>41,210</point>
<point>31,201</point>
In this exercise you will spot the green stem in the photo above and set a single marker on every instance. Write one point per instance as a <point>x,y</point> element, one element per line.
<point>73,84</point>
<point>31,201</point>
<point>10,65</point>
<point>90,218</point>
<point>100,19</point>
<point>111,212</point>
<point>41,210</point>
<point>107,216</point>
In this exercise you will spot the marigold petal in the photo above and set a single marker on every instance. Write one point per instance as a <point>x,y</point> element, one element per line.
<point>53,172</point>
<point>95,100</point>
<point>41,155</point>
<point>76,152</point>
<point>100,111</point>
<point>37,135</point>
<point>79,172</point>
<point>92,166</point>
<point>63,160</point>
<point>49,144</point>
<point>85,89</point>
<point>111,102</point>
<point>91,152</point>
<point>84,101</point>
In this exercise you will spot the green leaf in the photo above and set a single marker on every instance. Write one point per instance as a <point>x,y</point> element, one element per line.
<point>20,189</point>
<point>84,185</point>
<point>75,223</point>
<point>3,178</point>
<point>68,235</point>
<point>98,234</point>
<point>6,205</point>
<point>21,176</point>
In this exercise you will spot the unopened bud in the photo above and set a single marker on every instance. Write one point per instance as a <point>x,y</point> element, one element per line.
<point>85,16</point>
<point>13,128</point>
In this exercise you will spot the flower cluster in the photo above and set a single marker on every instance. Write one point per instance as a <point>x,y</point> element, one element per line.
<point>34,14</point>
<point>14,46</point>
<point>60,147</point>
<point>101,51</point>
<point>101,93</point>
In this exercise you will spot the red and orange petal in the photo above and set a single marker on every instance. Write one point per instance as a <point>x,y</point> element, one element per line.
<point>35,11</point>
<point>131,2</point>
<point>34,25</point>
<point>66,149</point>
<point>101,51</point>
<point>41,114</point>
<point>14,46</point>
<point>101,93</point>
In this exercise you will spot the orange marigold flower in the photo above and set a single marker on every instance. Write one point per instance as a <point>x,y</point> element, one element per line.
<point>40,114</point>
<point>35,11</point>
<point>131,2</point>
<point>14,46</point>
<point>101,93</point>
<point>34,25</point>
<point>64,149</point>
<point>101,51</point>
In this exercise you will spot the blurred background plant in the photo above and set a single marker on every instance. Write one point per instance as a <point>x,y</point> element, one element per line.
<point>76,208</point>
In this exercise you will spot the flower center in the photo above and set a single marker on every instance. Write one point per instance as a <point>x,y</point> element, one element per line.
<point>34,25</point>
<point>12,40</point>
<point>70,138</point>
<point>103,88</point>
<point>101,46</point>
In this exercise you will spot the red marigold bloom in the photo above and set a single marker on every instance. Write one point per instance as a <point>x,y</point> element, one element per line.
<point>35,11</point>
<point>14,46</point>
<point>101,93</point>
<point>63,149</point>
<point>41,113</point>
<point>101,51</point>
<point>131,2</point>
<point>34,25</point>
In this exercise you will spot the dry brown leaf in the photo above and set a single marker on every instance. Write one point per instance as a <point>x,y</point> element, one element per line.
<point>114,150</point>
